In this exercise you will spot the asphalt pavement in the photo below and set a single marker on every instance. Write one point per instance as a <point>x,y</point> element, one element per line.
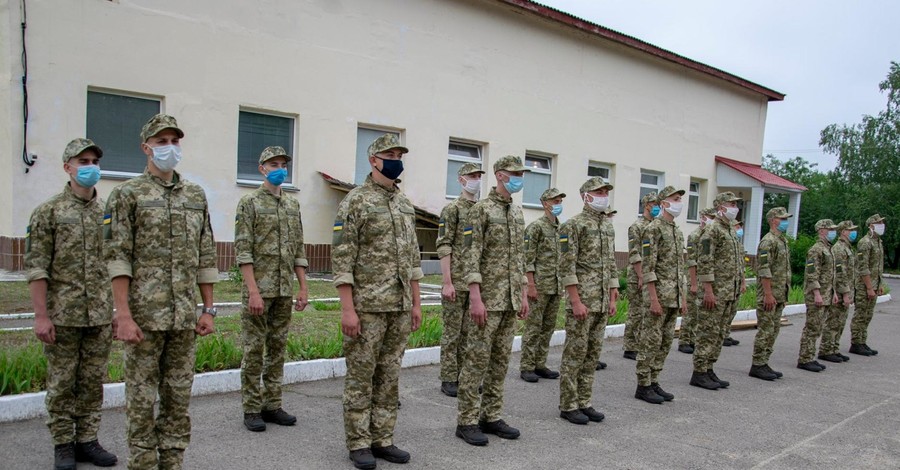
<point>845,417</point>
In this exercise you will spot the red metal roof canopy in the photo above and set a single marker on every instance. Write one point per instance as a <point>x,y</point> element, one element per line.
<point>759,174</point>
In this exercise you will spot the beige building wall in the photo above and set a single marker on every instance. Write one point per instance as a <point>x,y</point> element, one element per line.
<point>433,69</point>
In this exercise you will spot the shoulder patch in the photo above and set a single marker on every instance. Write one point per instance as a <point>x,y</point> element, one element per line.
<point>705,246</point>
<point>107,226</point>
<point>337,232</point>
<point>467,236</point>
<point>810,265</point>
<point>645,247</point>
<point>563,242</point>
<point>442,227</point>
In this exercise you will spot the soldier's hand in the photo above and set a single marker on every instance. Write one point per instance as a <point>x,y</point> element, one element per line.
<point>126,330</point>
<point>847,300</point>
<point>743,286</point>
<point>255,304</point>
<point>870,293</point>
<point>302,300</point>
<point>350,323</point>
<point>579,311</point>
<point>448,291</point>
<point>694,288</point>
<point>709,300</point>
<point>817,298</point>
<point>526,308</point>
<point>684,308</point>
<point>477,312</point>
<point>769,302</point>
<point>532,292</point>
<point>416,318</point>
<point>881,290</point>
<point>835,299</point>
<point>613,306</point>
<point>44,330</point>
<point>205,325</point>
<point>640,282</point>
<point>655,307</point>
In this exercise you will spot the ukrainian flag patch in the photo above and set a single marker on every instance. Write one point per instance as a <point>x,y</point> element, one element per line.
<point>338,232</point>
<point>645,246</point>
<point>563,243</point>
<point>441,227</point>
<point>467,236</point>
<point>107,219</point>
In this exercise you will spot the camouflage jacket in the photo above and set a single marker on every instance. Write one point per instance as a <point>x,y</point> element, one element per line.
<point>844,267</point>
<point>663,262</point>
<point>542,254</point>
<point>375,248</point>
<point>495,252</point>
<point>64,245</point>
<point>586,259</point>
<point>635,232</point>
<point>773,260</point>
<point>693,254</point>
<point>870,261</point>
<point>450,238</point>
<point>158,234</point>
<point>268,233</point>
<point>819,273</point>
<point>721,259</point>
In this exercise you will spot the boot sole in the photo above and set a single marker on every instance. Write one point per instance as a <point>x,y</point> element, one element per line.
<point>471,442</point>
<point>575,422</point>
<point>652,402</point>
<point>453,395</point>
<point>364,466</point>
<point>770,379</point>
<point>502,435</point>
<point>392,459</point>
<point>705,387</point>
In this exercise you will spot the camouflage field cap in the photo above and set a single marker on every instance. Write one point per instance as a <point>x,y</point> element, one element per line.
<point>551,194</point>
<point>778,213</point>
<point>736,223</point>
<point>825,223</point>
<point>727,196</point>
<point>668,191</point>
<point>386,142</point>
<point>509,163</point>
<point>846,225</point>
<point>874,219</point>
<point>159,123</point>
<point>470,169</point>
<point>595,183</point>
<point>611,212</point>
<point>272,152</point>
<point>649,198</point>
<point>708,212</point>
<point>78,145</point>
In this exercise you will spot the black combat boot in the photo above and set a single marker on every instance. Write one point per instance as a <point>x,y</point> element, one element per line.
<point>859,349</point>
<point>391,453</point>
<point>574,417</point>
<point>810,366</point>
<point>529,376</point>
<point>686,348</point>
<point>722,383</point>
<point>363,459</point>
<point>592,414</point>
<point>94,453</point>
<point>546,373</point>
<point>630,355</point>
<point>872,352</point>
<point>64,456</point>
<point>600,365</point>
<point>254,422</point>
<point>472,435</point>
<point>646,393</point>
<point>760,372</point>
<point>702,380</point>
<point>830,357</point>
<point>659,391</point>
<point>279,417</point>
<point>450,388</point>
<point>778,375</point>
<point>843,357</point>
<point>499,428</point>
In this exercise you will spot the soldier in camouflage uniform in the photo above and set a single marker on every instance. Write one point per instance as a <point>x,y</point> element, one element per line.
<point>844,282</point>
<point>377,268</point>
<point>494,263</point>
<point>635,276</point>
<point>869,284</point>
<point>268,246</point>
<point>818,287</point>
<point>720,267</point>
<point>687,331</point>
<point>455,292</point>
<point>739,231</point>
<point>159,246</point>
<point>72,306</point>
<point>774,273</point>
<point>587,268</point>
<point>541,264</point>
<point>665,291</point>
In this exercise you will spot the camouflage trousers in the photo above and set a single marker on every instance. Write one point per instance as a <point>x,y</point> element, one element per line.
<point>372,381</point>
<point>76,367</point>
<point>812,331</point>
<point>487,359</point>
<point>768,325</point>
<point>539,328</point>
<point>686,333</point>
<point>264,337</point>
<point>160,365</point>
<point>833,329</point>
<point>657,333</point>
<point>584,340</point>
<point>636,312</point>
<point>455,316</point>
<point>710,330</point>
<point>862,316</point>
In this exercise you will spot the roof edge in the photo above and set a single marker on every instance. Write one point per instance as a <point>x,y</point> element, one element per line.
<point>734,164</point>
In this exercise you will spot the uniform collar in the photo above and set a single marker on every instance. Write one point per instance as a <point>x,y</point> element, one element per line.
<point>175,183</point>
<point>667,222</point>
<point>495,196</point>
<point>554,221</point>
<point>263,190</point>
<point>593,212</point>
<point>71,195</point>
<point>389,192</point>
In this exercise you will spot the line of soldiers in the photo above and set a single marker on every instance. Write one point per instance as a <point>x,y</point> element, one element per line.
<point>153,240</point>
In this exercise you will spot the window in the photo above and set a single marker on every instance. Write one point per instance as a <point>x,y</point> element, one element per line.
<point>458,154</point>
<point>537,180</point>
<point>256,131</point>
<point>693,213</point>
<point>651,182</point>
<point>601,170</point>
<point>114,122</point>
<point>364,138</point>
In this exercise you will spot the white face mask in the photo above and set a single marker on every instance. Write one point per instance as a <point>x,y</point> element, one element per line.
<point>674,208</point>
<point>879,229</point>
<point>731,213</point>
<point>472,186</point>
<point>598,203</point>
<point>166,157</point>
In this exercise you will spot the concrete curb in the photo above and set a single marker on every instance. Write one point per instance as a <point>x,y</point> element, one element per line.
<point>31,405</point>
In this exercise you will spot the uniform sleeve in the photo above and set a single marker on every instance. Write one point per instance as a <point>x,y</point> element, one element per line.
<point>764,253</point>
<point>568,254</point>
<point>692,250</point>
<point>650,254</point>
<point>208,272</point>
<point>447,230</point>
<point>706,259</point>
<point>344,243</point>
<point>244,220</point>
<point>864,252</point>
<point>118,233</point>
<point>843,269</point>
<point>634,244</point>
<point>473,232</point>
<point>416,272</point>
<point>813,267</point>
<point>39,244</point>
<point>300,260</point>
<point>612,272</point>
<point>533,237</point>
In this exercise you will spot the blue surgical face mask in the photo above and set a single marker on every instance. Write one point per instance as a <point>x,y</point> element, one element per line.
<point>515,184</point>
<point>783,226</point>
<point>277,177</point>
<point>87,176</point>
<point>556,210</point>
<point>740,233</point>
<point>853,235</point>
<point>831,235</point>
<point>655,211</point>
<point>391,169</point>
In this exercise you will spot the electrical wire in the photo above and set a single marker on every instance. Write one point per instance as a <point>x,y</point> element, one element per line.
<point>29,161</point>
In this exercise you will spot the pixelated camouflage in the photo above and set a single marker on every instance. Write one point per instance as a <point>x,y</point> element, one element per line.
<point>773,262</point>
<point>727,196</point>
<point>587,259</point>
<point>551,193</point>
<point>470,169</point>
<point>538,330</point>
<point>486,363</point>
<point>667,192</point>
<point>581,350</point>
<point>869,262</point>
<point>812,331</point>
<point>509,163</point>
<point>825,223</point>
<point>636,309</point>
<point>649,198</point>
<point>593,184</point>
<point>387,141</point>
<point>159,123</point>
<point>819,272</point>
<point>686,333</point>
<point>844,282</point>
<point>451,242</point>
<point>846,225</point>
<point>657,333</point>
<point>78,145</point>
<point>451,238</point>
<point>542,259</point>
<point>264,338</point>
<point>877,218</point>
<point>456,324</point>
<point>271,152</point>
<point>778,213</point>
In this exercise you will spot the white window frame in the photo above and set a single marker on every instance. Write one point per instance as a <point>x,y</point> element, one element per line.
<point>456,158</point>
<point>376,128</point>
<point>253,183</point>
<point>692,193</point>
<point>660,183</point>
<point>114,174</point>
<point>539,171</point>
<point>602,166</point>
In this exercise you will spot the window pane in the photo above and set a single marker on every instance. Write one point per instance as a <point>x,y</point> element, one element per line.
<point>644,192</point>
<point>364,138</point>
<point>598,171</point>
<point>114,122</point>
<point>464,151</point>
<point>695,187</point>
<point>453,187</point>
<point>537,162</point>
<point>649,179</point>
<point>535,184</point>
<point>693,202</point>
<point>255,133</point>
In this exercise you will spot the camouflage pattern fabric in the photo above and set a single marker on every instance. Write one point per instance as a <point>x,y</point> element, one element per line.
<point>486,363</point>
<point>773,262</point>
<point>636,308</point>
<point>264,338</point>
<point>456,324</point>
<point>587,259</point>
<point>584,342</point>
<point>268,233</point>
<point>163,364</point>
<point>539,328</point>
<point>869,262</point>
<point>768,325</point>
<point>451,239</point>
<point>451,242</point>
<point>373,372</point>
<point>657,333</point>
<point>542,254</point>
<point>819,273</point>
<point>64,243</point>
<point>76,367</point>
<point>709,332</point>
<point>150,223</point>
<point>688,320</point>
<point>844,283</point>
<point>812,331</point>
<point>375,248</point>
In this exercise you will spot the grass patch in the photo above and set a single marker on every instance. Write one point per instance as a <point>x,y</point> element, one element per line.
<point>23,370</point>
<point>15,297</point>
<point>230,290</point>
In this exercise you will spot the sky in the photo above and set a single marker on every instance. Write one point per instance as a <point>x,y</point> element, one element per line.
<point>827,56</point>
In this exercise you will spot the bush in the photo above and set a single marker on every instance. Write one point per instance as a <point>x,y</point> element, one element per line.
<point>799,248</point>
